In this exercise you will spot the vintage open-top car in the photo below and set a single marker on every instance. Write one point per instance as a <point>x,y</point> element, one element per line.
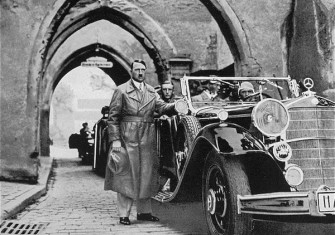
<point>271,153</point>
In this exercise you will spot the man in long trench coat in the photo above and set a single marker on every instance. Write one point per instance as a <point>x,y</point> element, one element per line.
<point>132,162</point>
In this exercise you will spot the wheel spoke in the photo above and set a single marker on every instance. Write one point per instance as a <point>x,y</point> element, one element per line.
<point>188,128</point>
<point>181,158</point>
<point>217,199</point>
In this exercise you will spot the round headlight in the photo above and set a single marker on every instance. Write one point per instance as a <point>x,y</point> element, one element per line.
<point>282,151</point>
<point>270,117</point>
<point>223,115</point>
<point>294,175</point>
<point>181,106</point>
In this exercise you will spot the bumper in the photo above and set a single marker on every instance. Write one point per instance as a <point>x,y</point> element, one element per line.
<point>286,203</point>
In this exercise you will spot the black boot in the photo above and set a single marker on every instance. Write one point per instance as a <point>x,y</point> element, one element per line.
<point>124,221</point>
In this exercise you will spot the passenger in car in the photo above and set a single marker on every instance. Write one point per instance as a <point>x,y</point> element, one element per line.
<point>246,89</point>
<point>210,94</point>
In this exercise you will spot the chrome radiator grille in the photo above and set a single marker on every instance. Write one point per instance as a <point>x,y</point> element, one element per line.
<point>311,134</point>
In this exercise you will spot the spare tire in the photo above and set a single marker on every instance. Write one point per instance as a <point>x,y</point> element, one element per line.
<point>188,129</point>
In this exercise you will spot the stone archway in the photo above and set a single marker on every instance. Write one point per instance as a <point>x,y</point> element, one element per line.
<point>56,72</point>
<point>58,26</point>
<point>141,26</point>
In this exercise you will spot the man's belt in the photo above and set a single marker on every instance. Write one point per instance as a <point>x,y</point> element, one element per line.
<point>136,119</point>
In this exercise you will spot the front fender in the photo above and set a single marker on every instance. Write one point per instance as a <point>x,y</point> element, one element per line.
<point>230,138</point>
<point>227,139</point>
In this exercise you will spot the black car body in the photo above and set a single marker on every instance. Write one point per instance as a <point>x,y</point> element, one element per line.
<point>270,154</point>
<point>84,144</point>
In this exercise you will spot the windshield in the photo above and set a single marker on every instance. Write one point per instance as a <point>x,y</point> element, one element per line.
<point>220,91</point>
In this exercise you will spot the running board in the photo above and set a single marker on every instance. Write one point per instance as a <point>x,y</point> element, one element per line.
<point>164,196</point>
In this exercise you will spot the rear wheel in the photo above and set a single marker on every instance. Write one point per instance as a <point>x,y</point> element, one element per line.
<point>188,128</point>
<point>223,180</point>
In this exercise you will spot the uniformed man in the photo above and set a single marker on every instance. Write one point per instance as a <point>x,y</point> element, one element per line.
<point>167,90</point>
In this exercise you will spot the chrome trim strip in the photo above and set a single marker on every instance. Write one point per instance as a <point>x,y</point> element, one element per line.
<point>240,78</point>
<point>308,138</point>
<point>299,99</point>
<point>281,203</point>
<point>275,195</point>
<point>285,203</point>
<point>239,115</point>
<point>301,139</point>
<point>320,97</point>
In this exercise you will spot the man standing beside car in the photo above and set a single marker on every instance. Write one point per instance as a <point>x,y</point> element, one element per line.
<point>131,132</point>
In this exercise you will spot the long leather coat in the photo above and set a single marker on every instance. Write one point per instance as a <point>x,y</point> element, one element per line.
<point>131,121</point>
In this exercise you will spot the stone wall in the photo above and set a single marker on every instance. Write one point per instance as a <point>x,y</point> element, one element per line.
<point>312,44</point>
<point>20,21</point>
<point>187,22</point>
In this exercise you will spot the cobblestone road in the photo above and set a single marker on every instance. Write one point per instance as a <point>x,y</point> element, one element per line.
<point>77,204</point>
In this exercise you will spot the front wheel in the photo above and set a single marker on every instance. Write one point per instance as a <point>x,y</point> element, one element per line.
<point>223,179</point>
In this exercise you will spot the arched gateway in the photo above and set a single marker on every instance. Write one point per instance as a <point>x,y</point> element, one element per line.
<point>44,72</point>
<point>67,17</point>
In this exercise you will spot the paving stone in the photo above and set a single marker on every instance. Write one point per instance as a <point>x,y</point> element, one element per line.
<point>77,204</point>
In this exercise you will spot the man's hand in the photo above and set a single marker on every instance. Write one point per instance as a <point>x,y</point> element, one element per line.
<point>116,146</point>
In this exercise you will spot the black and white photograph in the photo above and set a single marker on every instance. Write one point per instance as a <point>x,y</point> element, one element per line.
<point>163,117</point>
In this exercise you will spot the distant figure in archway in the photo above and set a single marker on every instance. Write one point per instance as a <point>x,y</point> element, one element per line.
<point>84,136</point>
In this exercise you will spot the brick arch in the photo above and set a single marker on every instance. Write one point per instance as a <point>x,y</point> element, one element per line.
<point>57,26</point>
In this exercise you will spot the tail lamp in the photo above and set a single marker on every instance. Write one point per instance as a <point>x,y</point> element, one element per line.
<point>270,117</point>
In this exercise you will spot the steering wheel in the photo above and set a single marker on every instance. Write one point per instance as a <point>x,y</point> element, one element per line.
<point>256,97</point>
